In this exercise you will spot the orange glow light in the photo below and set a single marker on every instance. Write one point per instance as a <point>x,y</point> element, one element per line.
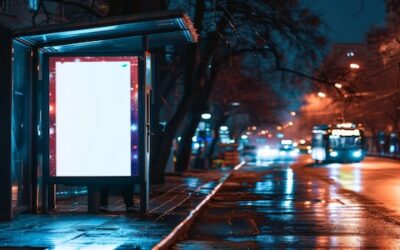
<point>354,66</point>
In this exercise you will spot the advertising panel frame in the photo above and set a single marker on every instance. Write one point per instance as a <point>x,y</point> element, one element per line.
<point>95,180</point>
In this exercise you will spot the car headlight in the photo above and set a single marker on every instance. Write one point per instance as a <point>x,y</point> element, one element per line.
<point>262,152</point>
<point>333,154</point>
<point>357,153</point>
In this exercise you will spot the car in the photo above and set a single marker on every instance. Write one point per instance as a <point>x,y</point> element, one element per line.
<point>287,150</point>
<point>267,153</point>
<point>304,148</point>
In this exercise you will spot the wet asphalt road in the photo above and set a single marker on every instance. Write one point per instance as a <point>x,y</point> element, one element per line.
<point>375,179</point>
<point>298,205</point>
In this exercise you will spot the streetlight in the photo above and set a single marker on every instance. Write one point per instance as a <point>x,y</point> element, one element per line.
<point>354,66</point>
<point>293,113</point>
<point>321,94</point>
<point>290,123</point>
<point>206,116</point>
<point>235,104</point>
<point>223,128</point>
<point>338,85</point>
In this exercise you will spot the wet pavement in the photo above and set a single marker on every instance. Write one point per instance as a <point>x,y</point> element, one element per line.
<point>283,205</point>
<point>72,228</point>
<point>265,206</point>
<point>374,179</point>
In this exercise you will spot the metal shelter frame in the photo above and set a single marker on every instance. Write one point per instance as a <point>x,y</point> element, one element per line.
<point>24,74</point>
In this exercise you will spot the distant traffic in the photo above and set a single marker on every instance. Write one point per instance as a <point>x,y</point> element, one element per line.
<point>342,142</point>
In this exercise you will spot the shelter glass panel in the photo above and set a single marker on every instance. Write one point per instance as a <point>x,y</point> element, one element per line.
<point>20,131</point>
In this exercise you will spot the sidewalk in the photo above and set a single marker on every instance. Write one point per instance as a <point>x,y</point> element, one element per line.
<point>385,156</point>
<point>71,227</point>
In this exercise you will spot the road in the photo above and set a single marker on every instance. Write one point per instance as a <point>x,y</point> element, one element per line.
<point>375,179</point>
<point>300,205</point>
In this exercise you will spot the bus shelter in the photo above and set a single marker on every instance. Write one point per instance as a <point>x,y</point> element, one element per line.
<point>75,105</point>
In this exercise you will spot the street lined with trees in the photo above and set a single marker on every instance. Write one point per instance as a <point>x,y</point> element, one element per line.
<point>264,55</point>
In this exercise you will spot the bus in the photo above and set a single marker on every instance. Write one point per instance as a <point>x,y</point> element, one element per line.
<point>343,142</point>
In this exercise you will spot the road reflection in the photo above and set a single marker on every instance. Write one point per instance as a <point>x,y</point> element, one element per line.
<point>277,205</point>
<point>289,183</point>
<point>377,179</point>
<point>348,177</point>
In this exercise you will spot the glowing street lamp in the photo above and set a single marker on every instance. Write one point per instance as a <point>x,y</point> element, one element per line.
<point>293,113</point>
<point>206,116</point>
<point>290,123</point>
<point>338,85</point>
<point>279,128</point>
<point>321,94</point>
<point>223,128</point>
<point>354,66</point>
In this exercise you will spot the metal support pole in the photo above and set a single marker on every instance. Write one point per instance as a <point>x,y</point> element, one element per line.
<point>146,88</point>
<point>45,197</point>
<point>143,198</point>
<point>93,199</point>
<point>52,196</point>
<point>5,124</point>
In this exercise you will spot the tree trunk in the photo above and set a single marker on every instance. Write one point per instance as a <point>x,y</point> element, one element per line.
<point>163,150</point>
<point>185,145</point>
<point>195,73</point>
<point>198,107</point>
<point>213,145</point>
<point>162,153</point>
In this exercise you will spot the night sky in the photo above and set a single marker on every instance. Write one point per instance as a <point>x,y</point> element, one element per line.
<point>348,20</point>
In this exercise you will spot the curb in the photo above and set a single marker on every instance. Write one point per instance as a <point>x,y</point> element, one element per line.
<point>183,228</point>
<point>395,158</point>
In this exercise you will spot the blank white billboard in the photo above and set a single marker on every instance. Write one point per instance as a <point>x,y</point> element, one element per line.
<point>93,118</point>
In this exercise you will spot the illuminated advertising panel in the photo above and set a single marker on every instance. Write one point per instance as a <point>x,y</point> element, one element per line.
<point>93,116</point>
